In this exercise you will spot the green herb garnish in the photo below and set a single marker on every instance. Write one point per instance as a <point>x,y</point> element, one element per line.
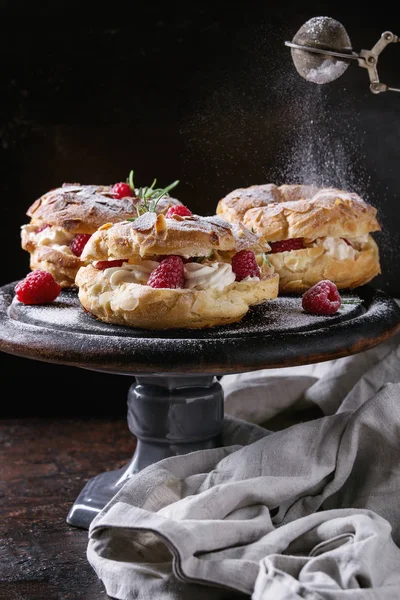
<point>149,206</point>
<point>265,259</point>
<point>149,195</point>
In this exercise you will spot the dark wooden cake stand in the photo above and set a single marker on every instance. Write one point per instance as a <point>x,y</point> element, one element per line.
<point>175,403</point>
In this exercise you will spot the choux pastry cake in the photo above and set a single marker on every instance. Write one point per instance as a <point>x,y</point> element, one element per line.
<point>161,272</point>
<point>314,233</point>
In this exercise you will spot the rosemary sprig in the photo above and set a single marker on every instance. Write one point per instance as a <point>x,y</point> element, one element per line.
<point>151,205</point>
<point>149,195</point>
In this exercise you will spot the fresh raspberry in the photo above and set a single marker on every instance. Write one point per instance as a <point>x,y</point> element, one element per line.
<point>244,265</point>
<point>42,228</point>
<point>168,274</point>
<point>322,298</point>
<point>79,242</point>
<point>287,245</point>
<point>180,210</point>
<point>121,190</point>
<point>107,264</point>
<point>38,287</point>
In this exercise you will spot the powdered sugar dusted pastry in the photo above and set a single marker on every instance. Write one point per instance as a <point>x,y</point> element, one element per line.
<point>184,271</point>
<point>63,220</point>
<point>314,233</point>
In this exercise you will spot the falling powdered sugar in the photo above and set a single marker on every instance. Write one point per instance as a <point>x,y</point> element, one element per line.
<point>318,151</point>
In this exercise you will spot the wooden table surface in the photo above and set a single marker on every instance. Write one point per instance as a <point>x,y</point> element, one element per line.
<point>44,464</point>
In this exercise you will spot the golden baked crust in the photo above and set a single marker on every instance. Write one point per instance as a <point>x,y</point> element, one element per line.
<point>327,212</point>
<point>169,308</point>
<point>153,235</point>
<point>300,269</point>
<point>295,191</point>
<point>235,205</point>
<point>84,208</point>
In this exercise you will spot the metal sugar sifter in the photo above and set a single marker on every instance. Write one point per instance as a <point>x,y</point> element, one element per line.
<point>321,51</point>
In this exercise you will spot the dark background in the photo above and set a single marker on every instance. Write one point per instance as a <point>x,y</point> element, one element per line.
<point>203,92</point>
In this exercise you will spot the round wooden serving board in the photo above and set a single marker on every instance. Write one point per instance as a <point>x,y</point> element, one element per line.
<point>277,333</point>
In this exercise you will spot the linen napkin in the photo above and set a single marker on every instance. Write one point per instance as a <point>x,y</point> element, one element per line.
<point>306,510</point>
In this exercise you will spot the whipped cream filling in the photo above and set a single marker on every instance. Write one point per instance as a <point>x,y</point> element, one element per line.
<point>131,273</point>
<point>336,247</point>
<point>54,237</point>
<point>212,276</point>
<point>339,249</point>
<point>198,276</point>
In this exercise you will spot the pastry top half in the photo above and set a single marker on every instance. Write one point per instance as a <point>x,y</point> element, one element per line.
<point>84,208</point>
<point>155,235</point>
<point>299,211</point>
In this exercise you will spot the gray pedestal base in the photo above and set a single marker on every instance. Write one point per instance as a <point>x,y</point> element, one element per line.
<point>168,416</point>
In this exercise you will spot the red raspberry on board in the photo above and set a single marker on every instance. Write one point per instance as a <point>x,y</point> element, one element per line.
<point>38,287</point>
<point>79,242</point>
<point>287,245</point>
<point>122,190</point>
<point>244,265</point>
<point>180,210</point>
<point>168,274</point>
<point>107,264</point>
<point>322,298</point>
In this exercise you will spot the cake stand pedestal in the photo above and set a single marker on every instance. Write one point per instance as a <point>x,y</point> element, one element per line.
<point>175,404</point>
<point>168,416</point>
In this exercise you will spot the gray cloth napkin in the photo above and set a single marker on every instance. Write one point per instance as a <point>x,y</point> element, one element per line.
<point>333,386</point>
<point>310,510</point>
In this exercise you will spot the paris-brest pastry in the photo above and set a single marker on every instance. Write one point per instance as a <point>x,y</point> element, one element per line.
<point>63,219</point>
<point>163,272</point>
<point>314,233</point>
